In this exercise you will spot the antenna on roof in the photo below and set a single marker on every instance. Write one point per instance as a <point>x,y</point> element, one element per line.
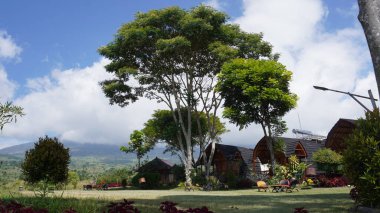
<point>307,135</point>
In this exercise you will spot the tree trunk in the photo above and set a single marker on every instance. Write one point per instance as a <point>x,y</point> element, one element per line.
<point>369,17</point>
<point>269,142</point>
<point>209,161</point>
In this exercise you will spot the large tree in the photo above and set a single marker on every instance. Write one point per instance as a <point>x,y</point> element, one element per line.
<point>46,163</point>
<point>9,113</point>
<point>369,17</point>
<point>173,55</point>
<point>256,91</point>
<point>138,144</point>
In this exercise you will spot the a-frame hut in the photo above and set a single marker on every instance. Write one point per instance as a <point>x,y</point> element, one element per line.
<point>339,133</point>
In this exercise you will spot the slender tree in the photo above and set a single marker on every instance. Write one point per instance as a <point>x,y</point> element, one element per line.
<point>256,91</point>
<point>174,55</point>
<point>138,144</point>
<point>369,17</point>
<point>9,113</point>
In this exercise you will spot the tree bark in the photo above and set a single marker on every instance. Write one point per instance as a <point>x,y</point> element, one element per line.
<point>269,142</point>
<point>369,17</point>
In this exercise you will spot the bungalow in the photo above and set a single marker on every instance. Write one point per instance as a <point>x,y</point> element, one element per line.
<point>230,159</point>
<point>302,148</point>
<point>337,135</point>
<point>163,167</point>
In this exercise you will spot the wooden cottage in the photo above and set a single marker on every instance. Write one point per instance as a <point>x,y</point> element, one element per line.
<point>228,158</point>
<point>302,148</point>
<point>337,135</point>
<point>163,167</point>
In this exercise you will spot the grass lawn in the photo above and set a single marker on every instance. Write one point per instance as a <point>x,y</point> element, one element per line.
<point>239,201</point>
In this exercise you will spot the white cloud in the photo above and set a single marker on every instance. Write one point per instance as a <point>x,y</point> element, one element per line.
<point>70,104</point>
<point>8,48</point>
<point>337,59</point>
<point>7,87</point>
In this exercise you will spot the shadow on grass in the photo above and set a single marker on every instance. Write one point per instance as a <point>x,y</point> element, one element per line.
<point>257,202</point>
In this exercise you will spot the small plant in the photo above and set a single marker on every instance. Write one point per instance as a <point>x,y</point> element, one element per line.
<point>170,207</point>
<point>122,207</point>
<point>300,210</point>
<point>14,207</point>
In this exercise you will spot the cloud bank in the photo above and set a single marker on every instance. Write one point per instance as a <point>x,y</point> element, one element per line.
<point>336,59</point>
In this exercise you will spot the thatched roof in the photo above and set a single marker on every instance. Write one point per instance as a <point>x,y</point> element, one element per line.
<point>156,165</point>
<point>298,146</point>
<point>340,131</point>
<point>230,151</point>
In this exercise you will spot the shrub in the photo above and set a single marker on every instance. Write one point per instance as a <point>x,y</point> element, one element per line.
<point>244,183</point>
<point>327,160</point>
<point>46,163</point>
<point>122,207</point>
<point>361,159</point>
<point>170,207</point>
<point>152,180</point>
<point>14,207</point>
<point>231,180</point>
<point>199,179</point>
<point>324,181</point>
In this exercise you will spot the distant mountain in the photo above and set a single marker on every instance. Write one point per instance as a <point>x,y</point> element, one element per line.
<point>104,151</point>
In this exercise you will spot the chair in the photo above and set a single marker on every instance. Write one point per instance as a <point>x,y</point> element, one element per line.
<point>262,185</point>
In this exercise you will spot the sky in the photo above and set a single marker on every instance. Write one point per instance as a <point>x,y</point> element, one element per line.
<point>50,66</point>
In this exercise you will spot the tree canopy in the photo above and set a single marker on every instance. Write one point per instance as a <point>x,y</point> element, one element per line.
<point>138,144</point>
<point>256,91</point>
<point>361,159</point>
<point>173,55</point>
<point>47,161</point>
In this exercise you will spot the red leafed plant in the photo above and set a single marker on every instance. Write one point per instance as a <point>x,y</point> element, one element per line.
<point>170,207</point>
<point>300,210</point>
<point>14,207</point>
<point>122,207</point>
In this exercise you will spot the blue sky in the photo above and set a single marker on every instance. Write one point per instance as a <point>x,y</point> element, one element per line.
<point>57,42</point>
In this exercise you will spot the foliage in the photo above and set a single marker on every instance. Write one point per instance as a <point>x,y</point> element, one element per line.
<point>300,210</point>
<point>170,207</point>
<point>324,181</point>
<point>151,180</point>
<point>295,168</point>
<point>361,159</point>
<point>231,179</point>
<point>199,179</point>
<point>124,206</point>
<point>116,175</point>
<point>327,160</point>
<point>73,178</point>
<point>46,163</point>
<point>179,172</point>
<point>139,144</point>
<point>244,183</point>
<point>172,56</point>
<point>9,113</point>
<point>14,207</point>
<point>256,91</point>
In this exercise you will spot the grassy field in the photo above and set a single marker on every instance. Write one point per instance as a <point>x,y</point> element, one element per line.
<point>239,201</point>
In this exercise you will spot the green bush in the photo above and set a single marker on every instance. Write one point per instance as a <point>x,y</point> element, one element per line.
<point>152,180</point>
<point>199,179</point>
<point>361,159</point>
<point>327,160</point>
<point>116,176</point>
<point>231,180</point>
